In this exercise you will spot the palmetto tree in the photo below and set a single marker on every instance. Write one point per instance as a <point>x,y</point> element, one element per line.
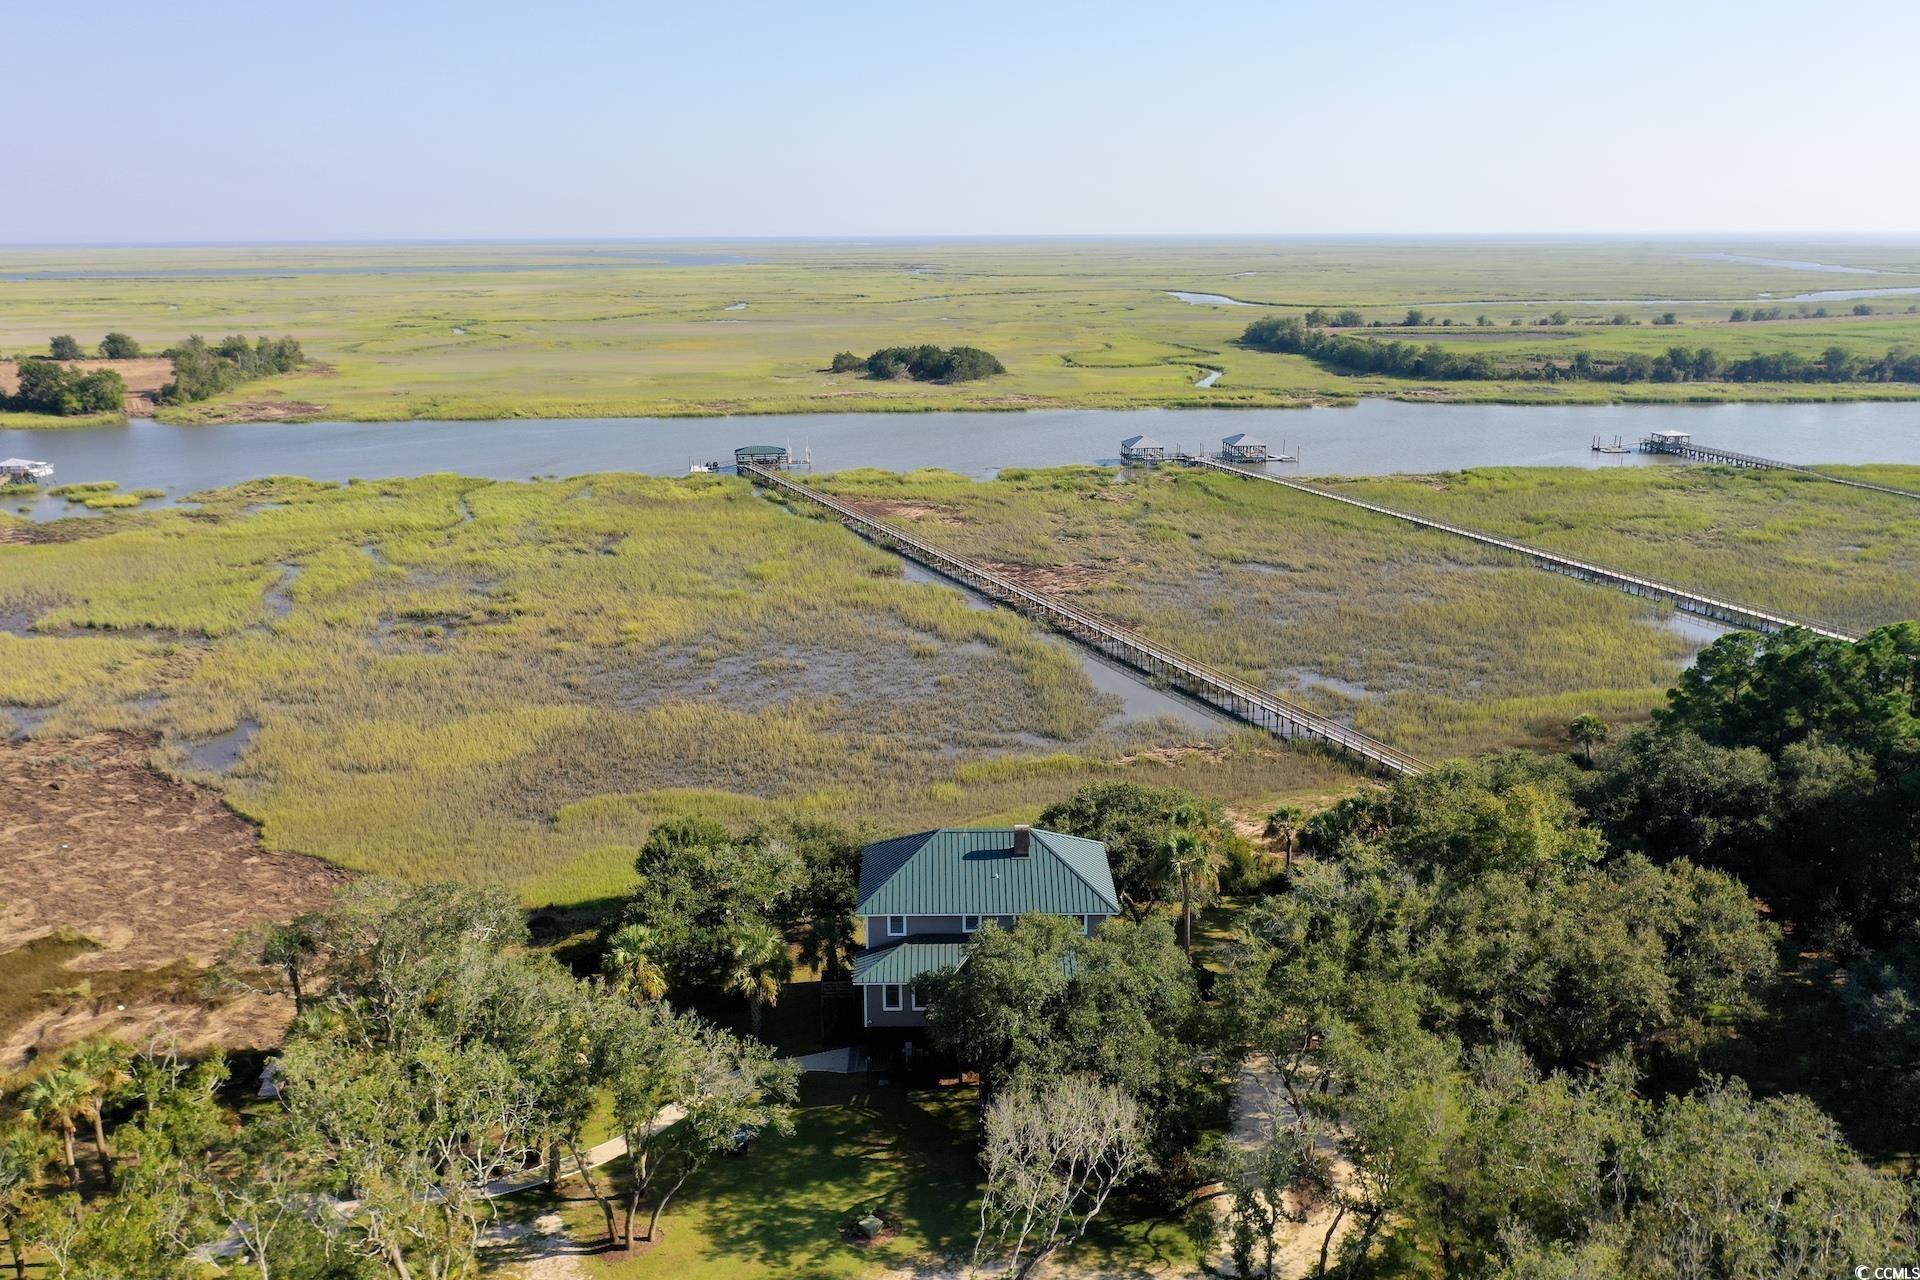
<point>1283,824</point>
<point>1587,730</point>
<point>56,1101</point>
<point>103,1065</point>
<point>1193,855</point>
<point>630,966</point>
<point>757,963</point>
<point>21,1158</point>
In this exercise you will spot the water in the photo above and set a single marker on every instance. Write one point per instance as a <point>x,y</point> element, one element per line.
<point>1140,698</point>
<point>1210,299</point>
<point>1700,631</point>
<point>1848,295</point>
<point>1790,264</point>
<point>221,752</point>
<point>1213,376</point>
<point>1372,438</point>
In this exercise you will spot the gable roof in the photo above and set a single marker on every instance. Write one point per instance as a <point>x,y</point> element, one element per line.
<point>972,871</point>
<point>1141,442</point>
<point>904,961</point>
<point>1241,440</point>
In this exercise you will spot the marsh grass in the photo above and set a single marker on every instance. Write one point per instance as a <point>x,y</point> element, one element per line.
<point>1777,539</point>
<point>1086,324</point>
<point>513,682</point>
<point>1429,642</point>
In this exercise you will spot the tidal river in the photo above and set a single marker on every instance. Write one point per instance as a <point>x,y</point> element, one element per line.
<point>1373,437</point>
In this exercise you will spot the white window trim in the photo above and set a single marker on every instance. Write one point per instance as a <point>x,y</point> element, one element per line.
<point>1086,925</point>
<point>919,1005</point>
<point>890,996</point>
<point>892,932</point>
<point>969,928</point>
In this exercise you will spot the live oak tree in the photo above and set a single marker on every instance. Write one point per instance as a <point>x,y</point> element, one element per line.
<point>1137,824</point>
<point>700,888</point>
<point>682,1092</point>
<point>1054,1153</point>
<point>1041,1001</point>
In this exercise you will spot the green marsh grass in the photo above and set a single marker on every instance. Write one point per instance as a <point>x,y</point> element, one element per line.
<point>1078,324</point>
<point>513,682</point>
<point>1775,539</point>
<point>1432,643</point>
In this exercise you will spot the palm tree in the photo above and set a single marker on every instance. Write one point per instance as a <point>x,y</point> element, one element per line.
<point>21,1158</point>
<point>1283,824</point>
<point>102,1064</point>
<point>1587,730</point>
<point>630,966</point>
<point>289,948</point>
<point>57,1100</point>
<point>756,964</point>
<point>1193,854</point>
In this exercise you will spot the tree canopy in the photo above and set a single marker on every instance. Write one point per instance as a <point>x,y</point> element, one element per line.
<point>929,363</point>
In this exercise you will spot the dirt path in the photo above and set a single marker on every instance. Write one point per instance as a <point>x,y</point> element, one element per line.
<point>1259,1103</point>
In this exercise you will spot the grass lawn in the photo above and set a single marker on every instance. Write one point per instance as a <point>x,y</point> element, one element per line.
<point>777,1210</point>
<point>574,330</point>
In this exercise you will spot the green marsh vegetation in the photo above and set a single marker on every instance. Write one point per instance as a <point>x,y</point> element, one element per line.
<point>1426,641</point>
<point>514,683</point>
<point>1785,541</point>
<point>1087,324</point>
<point>1344,354</point>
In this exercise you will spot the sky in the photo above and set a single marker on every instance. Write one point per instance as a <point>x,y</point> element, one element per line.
<point>222,122</point>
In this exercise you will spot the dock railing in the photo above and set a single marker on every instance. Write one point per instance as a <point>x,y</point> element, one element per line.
<point>1228,693</point>
<point>1730,612</point>
<point>1727,457</point>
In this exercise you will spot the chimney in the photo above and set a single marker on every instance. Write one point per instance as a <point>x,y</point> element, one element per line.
<point>1022,841</point>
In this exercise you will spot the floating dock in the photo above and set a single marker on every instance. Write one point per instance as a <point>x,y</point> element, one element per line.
<point>1730,612</point>
<point>1244,701</point>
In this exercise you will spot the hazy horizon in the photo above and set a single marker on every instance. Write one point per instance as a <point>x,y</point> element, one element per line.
<point>447,124</point>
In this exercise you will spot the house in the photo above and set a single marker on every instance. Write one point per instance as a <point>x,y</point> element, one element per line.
<point>24,471</point>
<point>1241,447</point>
<point>923,896</point>
<point>773,457</point>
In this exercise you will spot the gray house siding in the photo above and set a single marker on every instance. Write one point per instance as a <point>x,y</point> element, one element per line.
<point>905,1016</point>
<point>877,935</point>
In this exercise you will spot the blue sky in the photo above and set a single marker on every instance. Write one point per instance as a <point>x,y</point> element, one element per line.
<point>230,121</point>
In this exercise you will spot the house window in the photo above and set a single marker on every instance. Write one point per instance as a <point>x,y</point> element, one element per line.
<point>969,923</point>
<point>919,1001</point>
<point>1086,924</point>
<point>890,997</point>
<point>896,926</point>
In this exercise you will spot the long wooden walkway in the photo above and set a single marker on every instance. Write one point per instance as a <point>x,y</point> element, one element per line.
<point>1210,685</point>
<point>1728,458</point>
<point>1727,611</point>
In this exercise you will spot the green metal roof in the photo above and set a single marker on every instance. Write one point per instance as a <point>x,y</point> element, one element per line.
<point>905,961</point>
<point>972,871</point>
<point>760,451</point>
